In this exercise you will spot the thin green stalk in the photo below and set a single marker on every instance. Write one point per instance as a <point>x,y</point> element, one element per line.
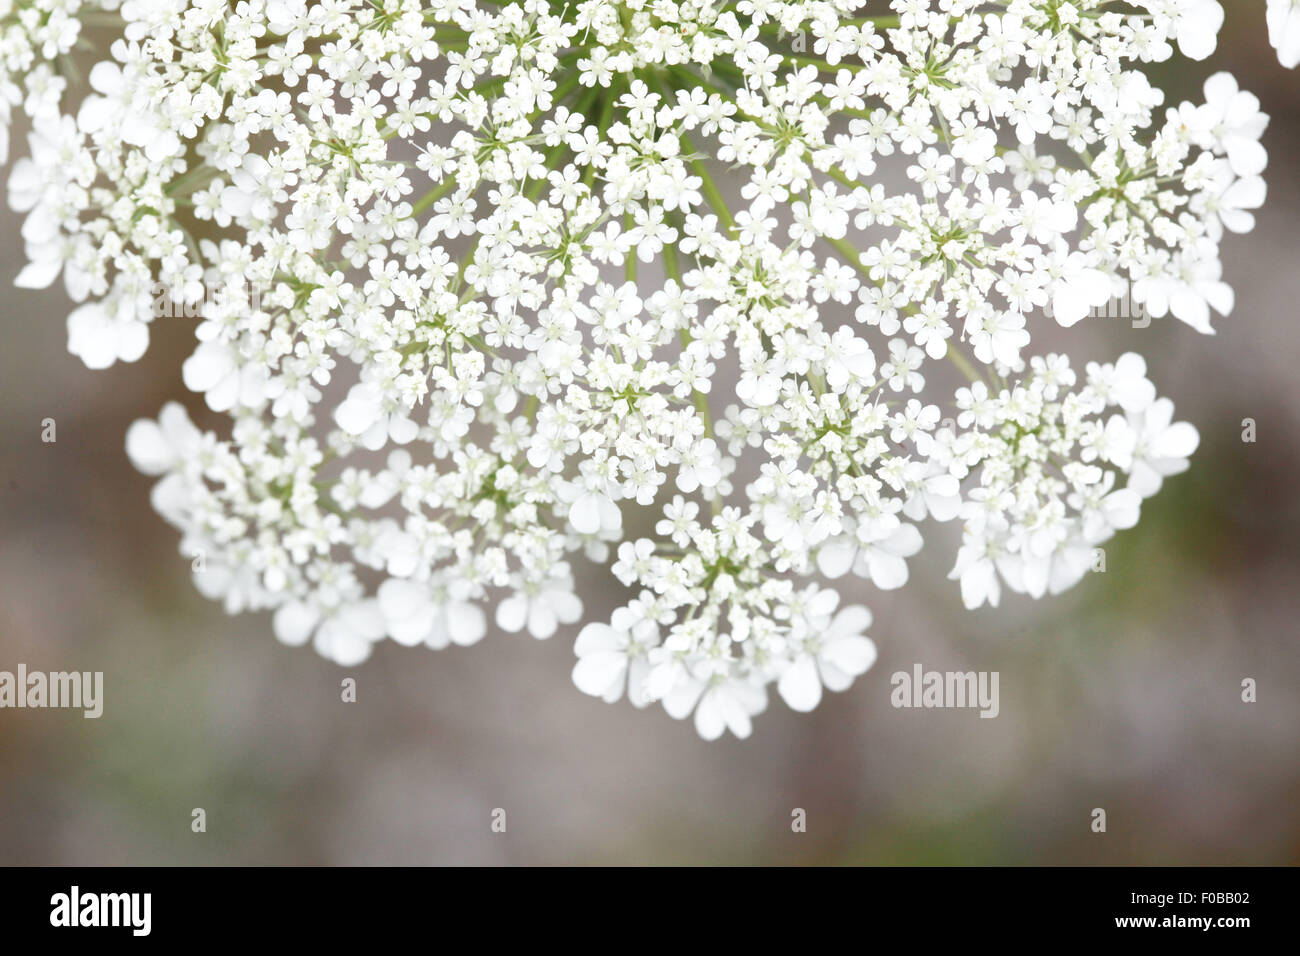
<point>710,188</point>
<point>963,364</point>
<point>432,196</point>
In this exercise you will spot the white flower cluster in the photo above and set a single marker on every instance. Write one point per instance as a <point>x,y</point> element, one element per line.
<point>1047,465</point>
<point>657,283</point>
<point>34,38</point>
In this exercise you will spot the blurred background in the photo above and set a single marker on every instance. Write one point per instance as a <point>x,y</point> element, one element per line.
<point>1124,694</point>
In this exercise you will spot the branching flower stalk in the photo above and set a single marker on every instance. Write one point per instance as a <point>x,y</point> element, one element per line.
<point>488,288</point>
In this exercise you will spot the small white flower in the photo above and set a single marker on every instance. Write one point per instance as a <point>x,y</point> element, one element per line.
<point>593,512</point>
<point>158,447</point>
<point>832,653</point>
<point>540,609</point>
<point>1284,31</point>
<point>412,616</point>
<point>366,413</point>
<point>1123,383</point>
<point>1196,24</point>
<point>877,551</point>
<point>1233,124</point>
<point>1163,446</point>
<point>1190,287</point>
<point>100,335</point>
<point>345,635</point>
<point>719,706</point>
<point>611,658</point>
<point>1077,286</point>
<point>977,568</point>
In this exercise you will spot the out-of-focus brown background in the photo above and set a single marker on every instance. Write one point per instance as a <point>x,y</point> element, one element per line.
<point>1124,694</point>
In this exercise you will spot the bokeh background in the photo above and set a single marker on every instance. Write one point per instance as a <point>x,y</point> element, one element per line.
<point>1124,694</point>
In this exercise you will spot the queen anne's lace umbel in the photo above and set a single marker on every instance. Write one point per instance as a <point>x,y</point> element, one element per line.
<point>504,286</point>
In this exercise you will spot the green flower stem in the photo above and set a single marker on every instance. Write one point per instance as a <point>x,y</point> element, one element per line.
<point>674,272</point>
<point>191,181</point>
<point>850,255</point>
<point>629,261</point>
<point>882,22</point>
<point>700,400</point>
<point>821,65</point>
<point>602,124</point>
<point>671,266</point>
<point>432,196</point>
<point>460,274</point>
<point>963,364</point>
<point>710,189</point>
<point>563,90</point>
